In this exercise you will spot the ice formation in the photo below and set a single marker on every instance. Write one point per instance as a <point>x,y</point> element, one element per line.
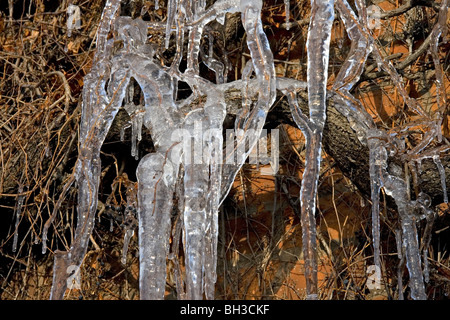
<point>17,214</point>
<point>73,18</point>
<point>190,160</point>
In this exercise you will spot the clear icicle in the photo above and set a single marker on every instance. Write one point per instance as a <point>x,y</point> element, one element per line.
<point>171,11</point>
<point>396,188</point>
<point>317,72</point>
<point>361,46</point>
<point>122,131</point>
<point>398,240</point>
<point>413,261</point>
<point>439,29</point>
<point>212,63</point>
<point>126,241</point>
<point>441,170</point>
<point>136,113</point>
<point>287,5</point>
<point>426,239</point>
<point>251,123</point>
<point>215,110</point>
<point>195,200</point>
<point>130,222</point>
<point>17,214</point>
<point>155,203</point>
<point>93,129</point>
<point>202,182</point>
<point>377,165</point>
<point>73,19</point>
<point>318,42</point>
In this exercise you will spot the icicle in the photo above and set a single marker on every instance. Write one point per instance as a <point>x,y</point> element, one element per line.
<point>396,188</point>
<point>155,203</point>
<point>441,170</point>
<point>398,240</point>
<point>195,36</point>
<point>106,20</point>
<point>287,10</point>
<point>130,222</point>
<point>439,29</point>
<point>122,131</point>
<point>215,110</point>
<point>377,165</point>
<point>317,72</point>
<point>195,201</point>
<point>73,19</point>
<point>413,259</point>
<point>252,122</point>
<point>318,42</point>
<point>17,214</point>
<point>137,117</point>
<point>99,108</point>
<point>202,183</point>
<point>171,10</point>
<point>157,174</point>
<point>212,63</point>
<point>345,10</point>
<point>353,66</point>
<point>126,241</point>
<point>426,239</point>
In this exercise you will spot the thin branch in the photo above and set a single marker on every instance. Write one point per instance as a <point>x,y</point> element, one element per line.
<point>408,6</point>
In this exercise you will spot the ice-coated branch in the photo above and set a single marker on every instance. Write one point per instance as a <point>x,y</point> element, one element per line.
<point>387,66</point>
<point>439,29</point>
<point>189,158</point>
<point>252,121</point>
<point>361,46</point>
<point>102,98</point>
<point>106,20</point>
<point>318,42</point>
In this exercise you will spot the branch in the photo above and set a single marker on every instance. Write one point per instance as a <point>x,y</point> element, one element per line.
<point>408,6</point>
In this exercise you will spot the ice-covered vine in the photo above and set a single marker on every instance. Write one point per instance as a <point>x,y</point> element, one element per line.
<point>190,160</point>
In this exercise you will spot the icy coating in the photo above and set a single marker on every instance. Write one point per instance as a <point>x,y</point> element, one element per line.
<point>190,162</point>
